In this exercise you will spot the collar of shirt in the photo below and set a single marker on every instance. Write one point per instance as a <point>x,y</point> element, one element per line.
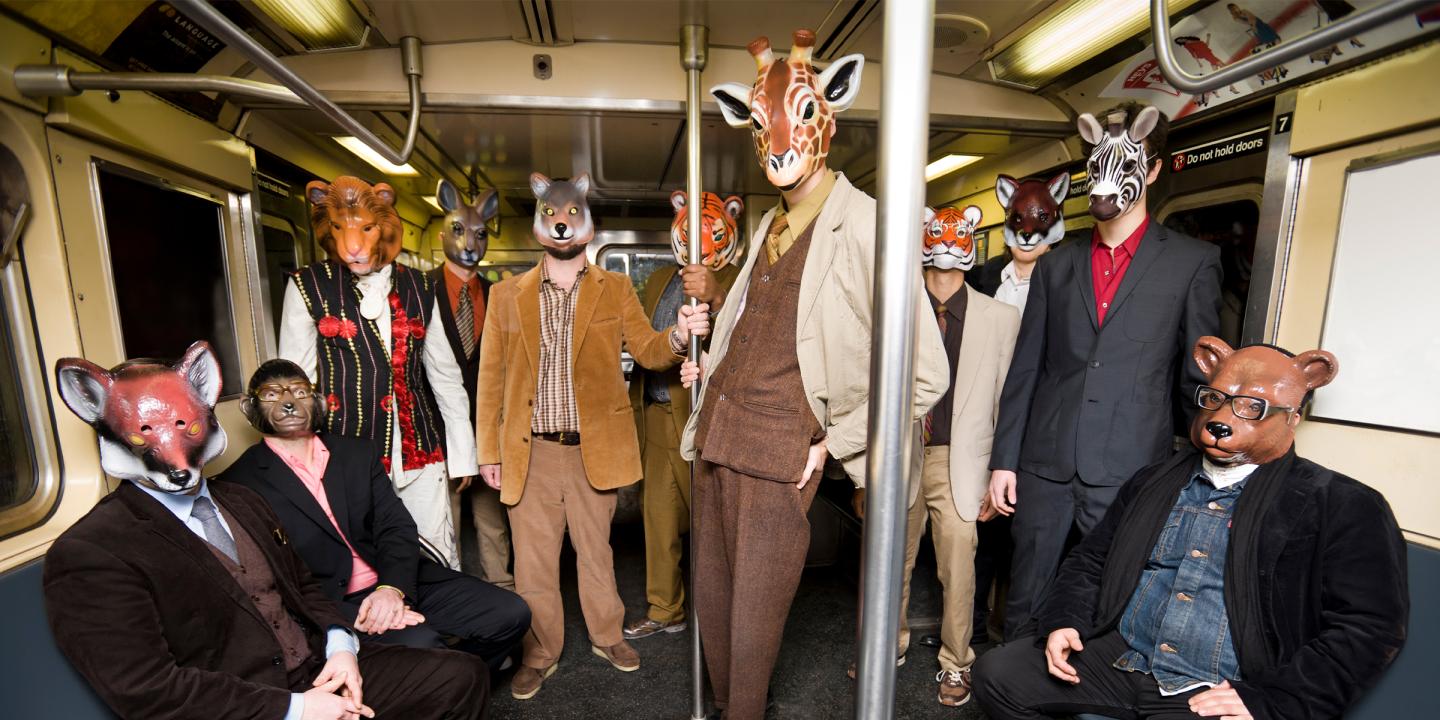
<point>954,305</point>
<point>804,212</point>
<point>311,470</point>
<point>1008,274</point>
<point>545,274</point>
<point>1131,244</point>
<point>1222,477</point>
<point>454,282</point>
<point>179,505</point>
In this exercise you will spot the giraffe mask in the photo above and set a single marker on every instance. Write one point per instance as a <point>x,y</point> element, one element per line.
<point>791,107</point>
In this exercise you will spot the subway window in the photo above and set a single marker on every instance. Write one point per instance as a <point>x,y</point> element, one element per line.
<point>18,479</point>
<point>636,261</point>
<point>167,258</point>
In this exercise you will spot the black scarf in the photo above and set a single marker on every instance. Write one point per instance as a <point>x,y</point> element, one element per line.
<point>1140,528</point>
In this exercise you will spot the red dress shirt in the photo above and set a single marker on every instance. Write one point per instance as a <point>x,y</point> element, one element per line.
<point>1108,268</point>
<point>312,476</point>
<point>453,286</point>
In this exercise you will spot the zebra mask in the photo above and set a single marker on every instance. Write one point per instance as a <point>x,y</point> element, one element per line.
<point>1118,164</point>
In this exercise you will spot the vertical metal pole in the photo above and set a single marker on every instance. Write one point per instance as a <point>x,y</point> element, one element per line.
<point>904,131</point>
<point>694,50</point>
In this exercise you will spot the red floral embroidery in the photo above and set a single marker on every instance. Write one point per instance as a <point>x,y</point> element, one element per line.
<point>386,402</point>
<point>329,326</point>
<point>417,328</point>
<point>332,401</point>
<point>386,462</point>
<point>348,329</point>
<point>402,329</point>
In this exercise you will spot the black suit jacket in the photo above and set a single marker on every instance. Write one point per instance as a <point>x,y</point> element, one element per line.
<point>987,278</point>
<point>470,369</point>
<point>1095,401</point>
<point>145,612</point>
<point>364,503</point>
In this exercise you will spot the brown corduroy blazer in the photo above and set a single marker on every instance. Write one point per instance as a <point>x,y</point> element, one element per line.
<point>679,394</point>
<point>607,316</point>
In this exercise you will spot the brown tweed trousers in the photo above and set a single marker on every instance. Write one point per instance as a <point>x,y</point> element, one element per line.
<point>751,520</point>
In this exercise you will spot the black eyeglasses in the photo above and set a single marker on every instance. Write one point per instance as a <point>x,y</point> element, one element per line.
<point>1245,407</point>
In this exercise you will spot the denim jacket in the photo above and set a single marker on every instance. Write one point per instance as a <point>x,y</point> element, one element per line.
<point>1175,622</point>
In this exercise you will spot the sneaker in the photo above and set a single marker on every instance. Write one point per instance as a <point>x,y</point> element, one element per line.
<point>645,627</point>
<point>853,672</point>
<point>954,687</point>
<point>527,681</point>
<point>622,656</point>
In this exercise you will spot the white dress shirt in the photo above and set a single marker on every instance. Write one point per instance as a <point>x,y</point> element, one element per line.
<point>1013,290</point>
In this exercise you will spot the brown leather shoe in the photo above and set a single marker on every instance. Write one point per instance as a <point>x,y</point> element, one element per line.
<point>622,656</point>
<point>852,672</point>
<point>527,681</point>
<point>645,627</point>
<point>954,687</point>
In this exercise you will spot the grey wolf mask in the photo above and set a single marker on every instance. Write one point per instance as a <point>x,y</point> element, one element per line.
<point>562,214</point>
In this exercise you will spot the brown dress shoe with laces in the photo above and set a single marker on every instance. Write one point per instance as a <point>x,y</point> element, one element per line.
<point>622,656</point>
<point>645,627</point>
<point>527,681</point>
<point>954,687</point>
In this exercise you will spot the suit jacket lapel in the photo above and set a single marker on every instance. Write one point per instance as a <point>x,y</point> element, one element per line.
<point>447,315</point>
<point>1085,283</point>
<point>976,336</point>
<point>336,492</point>
<point>591,288</point>
<point>1145,256</point>
<point>167,526</point>
<point>822,249</point>
<point>287,483</point>
<point>527,291</point>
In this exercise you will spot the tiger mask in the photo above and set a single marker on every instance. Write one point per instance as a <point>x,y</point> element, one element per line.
<point>720,244</point>
<point>355,222</point>
<point>949,238</point>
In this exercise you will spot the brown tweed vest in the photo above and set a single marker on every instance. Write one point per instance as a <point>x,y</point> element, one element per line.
<point>258,581</point>
<point>756,419</point>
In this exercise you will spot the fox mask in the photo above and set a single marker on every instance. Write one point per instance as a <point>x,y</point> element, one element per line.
<point>1032,208</point>
<point>562,214</point>
<point>156,422</point>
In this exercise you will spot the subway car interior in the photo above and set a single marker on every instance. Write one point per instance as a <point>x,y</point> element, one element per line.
<point>158,162</point>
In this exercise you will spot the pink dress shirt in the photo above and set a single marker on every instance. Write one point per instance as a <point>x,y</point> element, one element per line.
<point>312,475</point>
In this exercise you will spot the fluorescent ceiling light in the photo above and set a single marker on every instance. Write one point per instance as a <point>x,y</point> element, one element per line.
<point>434,201</point>
<point>318,24</point>
<point>947,165</point>
<point>1070,36</point>
<point>363,151</point>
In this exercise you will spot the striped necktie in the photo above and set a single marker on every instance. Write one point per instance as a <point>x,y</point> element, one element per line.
<point>465,322</point>
<point>215,534</point>
<point>775,243</point>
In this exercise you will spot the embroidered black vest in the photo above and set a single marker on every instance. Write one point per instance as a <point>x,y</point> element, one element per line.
<point>363,384</point>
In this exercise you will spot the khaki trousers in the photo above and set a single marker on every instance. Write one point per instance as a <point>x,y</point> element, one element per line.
<point>492,534</point>
<point>666,511</point>
<point>558,496</point>
<point>955,541</point>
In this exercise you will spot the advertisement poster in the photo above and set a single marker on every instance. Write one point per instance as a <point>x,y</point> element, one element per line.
<point>1227,32</point>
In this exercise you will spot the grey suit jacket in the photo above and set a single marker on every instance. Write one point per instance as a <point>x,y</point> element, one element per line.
<point>1095,401</point>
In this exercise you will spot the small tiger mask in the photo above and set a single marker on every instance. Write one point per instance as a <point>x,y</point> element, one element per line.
<point>949,237</point>
<point>720,244</point>
<point>355,222</point>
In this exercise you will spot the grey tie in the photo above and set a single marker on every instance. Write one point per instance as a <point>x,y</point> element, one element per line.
<point>215,534</point>
<point>465,323</point>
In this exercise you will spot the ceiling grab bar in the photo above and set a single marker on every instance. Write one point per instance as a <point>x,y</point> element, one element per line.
<point>52,80</point>
<point>1331,34</point>
<point>219,25</point>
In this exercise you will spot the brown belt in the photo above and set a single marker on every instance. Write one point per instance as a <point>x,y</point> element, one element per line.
<point>564,437</point>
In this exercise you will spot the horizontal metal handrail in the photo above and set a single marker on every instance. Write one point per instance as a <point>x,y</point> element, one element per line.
<point>219,25</point>
<point>1331,34</point>
<point>51,80</point>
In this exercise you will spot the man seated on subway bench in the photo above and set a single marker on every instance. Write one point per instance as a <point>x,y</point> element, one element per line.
<point>181,598</point>
<point>336,503</point>
<point>1235,581</point>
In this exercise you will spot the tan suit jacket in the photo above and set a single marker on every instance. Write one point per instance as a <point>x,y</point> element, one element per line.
<point>985,349</point>
<point>607,316</point>
<point>679,394</point>
<point>833,327</point>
